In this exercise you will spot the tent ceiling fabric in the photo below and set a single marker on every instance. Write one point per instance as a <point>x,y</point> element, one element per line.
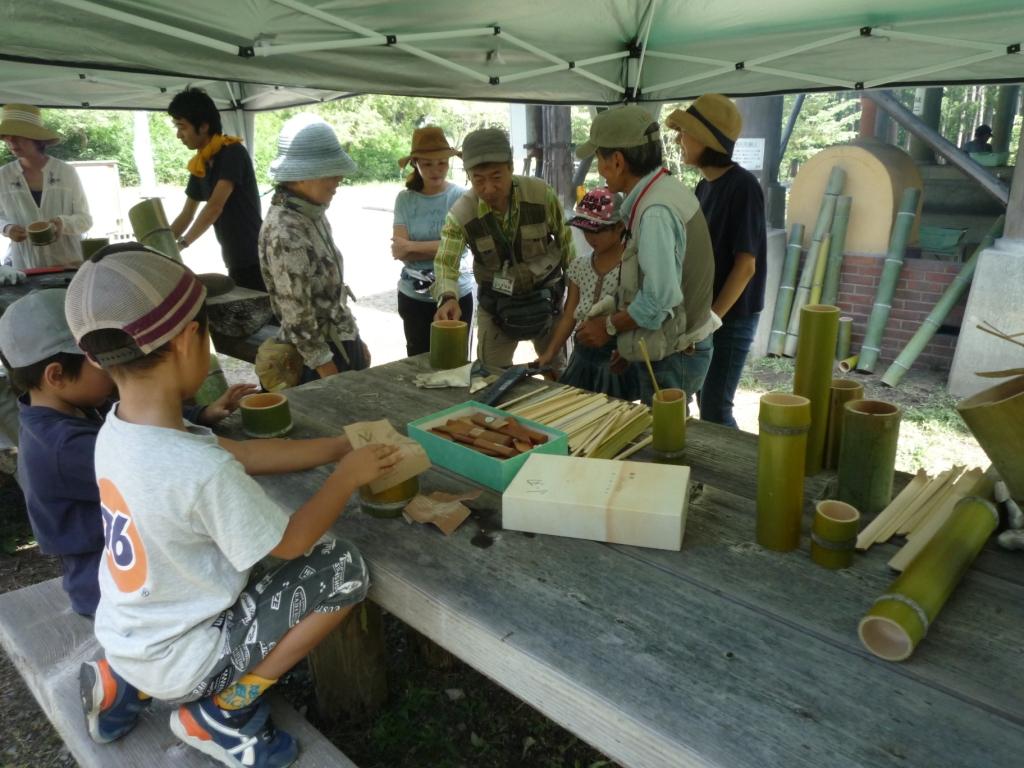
<point>132,53</point>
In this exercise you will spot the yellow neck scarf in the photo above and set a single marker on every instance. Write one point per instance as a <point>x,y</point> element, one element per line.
<point>197,165</point>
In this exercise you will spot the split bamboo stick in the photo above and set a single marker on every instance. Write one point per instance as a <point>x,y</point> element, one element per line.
<point>870,533</point>
<point>634,448</point>
<point>956,488</point>
<point>940,311</point>
<point>900,618</point>
<point>813,374</point>
<point>834,268</point>
<point>995,416</point>
<point>630,431</point>
<point>541,394</point>
<point>879,316</point>
<point>787,287</point>
<point>933,488</point>
<point>784,421</point>
<point>841,392</point>
<point>867,454</point>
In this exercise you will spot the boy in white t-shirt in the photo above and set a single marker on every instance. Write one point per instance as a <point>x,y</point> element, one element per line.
<point>182,617</point>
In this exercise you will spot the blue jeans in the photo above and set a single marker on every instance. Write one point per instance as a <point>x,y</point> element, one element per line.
<point>732,342</point>
<point>679,370</point>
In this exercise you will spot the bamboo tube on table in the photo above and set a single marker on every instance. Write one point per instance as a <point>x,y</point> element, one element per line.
<point>819,272</point>
<point>867,454</point>
<point>449,344</point>
<point>812,374</point>
<point>834,267</point>
<point>787,287</point>
<point>784,421</point>
<point>900,618</point>
<point>940,311</point>
<point>845,338</point>
<point>841,392</point>
<point>879,316</point>
<point>822,227</point>
<point>848,364</point>
<point>150,227</point>
<point>995,416</point>
<point>833,534</point>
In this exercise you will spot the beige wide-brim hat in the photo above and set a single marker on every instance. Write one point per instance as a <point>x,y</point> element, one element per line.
<point>428,143</point>
<point>25,121</point>
<point>713,120</point>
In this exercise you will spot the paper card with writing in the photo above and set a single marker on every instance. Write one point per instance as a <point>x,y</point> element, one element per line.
<point>413,459</point>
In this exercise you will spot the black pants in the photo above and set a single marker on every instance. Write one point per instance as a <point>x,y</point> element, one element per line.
<point>418,315</point>
<point>248,277</point>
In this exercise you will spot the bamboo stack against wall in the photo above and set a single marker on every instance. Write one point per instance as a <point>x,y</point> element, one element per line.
<point>834,267</point>
<point>787,287</point>
<point>940,311</point>
<point>879,316</point>
<point>812,374</point>
<point>867,454</point>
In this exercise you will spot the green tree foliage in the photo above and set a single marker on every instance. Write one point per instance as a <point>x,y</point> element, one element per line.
<point>825,119</point>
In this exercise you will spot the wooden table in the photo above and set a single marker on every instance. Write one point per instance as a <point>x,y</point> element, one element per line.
<point>722,654</point>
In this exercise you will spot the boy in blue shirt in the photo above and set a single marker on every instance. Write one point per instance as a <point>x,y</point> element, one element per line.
<point>182,616</point>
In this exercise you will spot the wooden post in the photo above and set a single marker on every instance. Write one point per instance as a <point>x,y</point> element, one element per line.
<point>868,113</point>
<point>348,667</point>
<point>557,155</point>
<point>927,106</point>
<point>1002,122</point>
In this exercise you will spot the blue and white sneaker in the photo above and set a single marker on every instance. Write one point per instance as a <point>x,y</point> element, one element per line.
<point>251,741</point>
<point>111,704</point>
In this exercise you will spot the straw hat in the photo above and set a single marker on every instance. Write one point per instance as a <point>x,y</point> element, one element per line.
<point>713,120</point>
<point>428,143</point>
<point>308,149</point>
<point>25,121</point>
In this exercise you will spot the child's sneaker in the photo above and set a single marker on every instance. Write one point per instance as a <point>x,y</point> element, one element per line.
<point>111,705</point>
<point>244,738</point>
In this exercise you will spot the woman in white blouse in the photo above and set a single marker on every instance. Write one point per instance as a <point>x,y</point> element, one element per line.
<point>36,187</point>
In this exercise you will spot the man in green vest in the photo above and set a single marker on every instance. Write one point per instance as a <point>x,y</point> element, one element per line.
<point>515,228</point>
<point>668,267</point>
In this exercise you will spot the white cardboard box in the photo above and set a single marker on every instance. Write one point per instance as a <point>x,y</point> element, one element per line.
<point>619,502</point>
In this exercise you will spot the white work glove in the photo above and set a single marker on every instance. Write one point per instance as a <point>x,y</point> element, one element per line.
<point>10,275</point>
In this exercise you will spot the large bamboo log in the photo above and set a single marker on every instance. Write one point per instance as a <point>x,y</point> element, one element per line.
<point>900,618</point>
<point>879,317</point>
<point>784,422</point>
<point>995,417</point>
<point>787,287</point>
<point>841,391</point>
<point>822,226</point>
<point>941,310</point>
<point>834,266</point>
<point>812,374</point>
<point>867,454</point>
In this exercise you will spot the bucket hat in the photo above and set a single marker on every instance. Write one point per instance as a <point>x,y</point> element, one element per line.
<point>34,328</point>
<point>487,145</point>
<point>26,121</point>
<point>308,148</point>
<point>619,128</point>
<point>598,209</point>
<point>428,143</point>
<point>712,119</point>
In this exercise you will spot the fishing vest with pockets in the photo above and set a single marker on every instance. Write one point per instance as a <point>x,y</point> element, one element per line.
<point>691,320</point>
<point>535,258</point>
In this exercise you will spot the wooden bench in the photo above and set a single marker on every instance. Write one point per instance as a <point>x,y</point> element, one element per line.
<point>47,642</point>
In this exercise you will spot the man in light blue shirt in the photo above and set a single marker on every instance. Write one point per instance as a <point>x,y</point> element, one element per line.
<point>668,267</point>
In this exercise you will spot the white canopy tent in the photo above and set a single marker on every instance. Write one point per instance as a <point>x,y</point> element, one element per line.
<point>273,53</point>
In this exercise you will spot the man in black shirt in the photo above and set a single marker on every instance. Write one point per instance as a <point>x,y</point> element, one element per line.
<point>733,204</point>
<point>222,176</point>
<point>980,142</point>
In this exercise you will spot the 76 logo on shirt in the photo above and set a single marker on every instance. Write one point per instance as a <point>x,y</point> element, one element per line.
<point>126,556</point>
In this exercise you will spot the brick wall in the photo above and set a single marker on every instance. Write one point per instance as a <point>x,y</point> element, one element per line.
<point>921,284</point>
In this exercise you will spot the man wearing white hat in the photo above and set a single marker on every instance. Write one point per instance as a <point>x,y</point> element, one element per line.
<point>37,188</point>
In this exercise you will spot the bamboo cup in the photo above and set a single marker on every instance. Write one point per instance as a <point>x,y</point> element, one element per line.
<point>900,618</point>
<point>391,501</point>
<point>841,392</point>
<point>995,416</point>
<point>816,345</point>
<point>867,454</point>
<point>784,421</point>
<point>92,244</point>
<point>449,344</point>
<point>845,338</point>
<point>834,534</point>
<point>41,233</point>
<point>266,414</point>
<point>669,411</point>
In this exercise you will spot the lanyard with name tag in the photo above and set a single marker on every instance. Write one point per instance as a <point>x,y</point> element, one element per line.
<point>503,283</point>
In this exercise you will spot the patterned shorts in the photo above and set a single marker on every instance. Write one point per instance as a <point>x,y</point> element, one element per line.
<point>330,577</point>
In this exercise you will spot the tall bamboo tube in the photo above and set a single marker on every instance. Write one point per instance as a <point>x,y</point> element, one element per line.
<point>787,286</point>
<point>819,272</point>
<point>867,454</point>
<point>900,618</point>
<point>841,392</point>
<point>149,224</point>
<point>812,374</point>
<point>834,268</point>
<point>845,338</point>
<point>887,284</point>
<point>822,226</point>
<point>995,416</point>
<point>784,421</point>
<point>834,534</point>
<point>939,312</point>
